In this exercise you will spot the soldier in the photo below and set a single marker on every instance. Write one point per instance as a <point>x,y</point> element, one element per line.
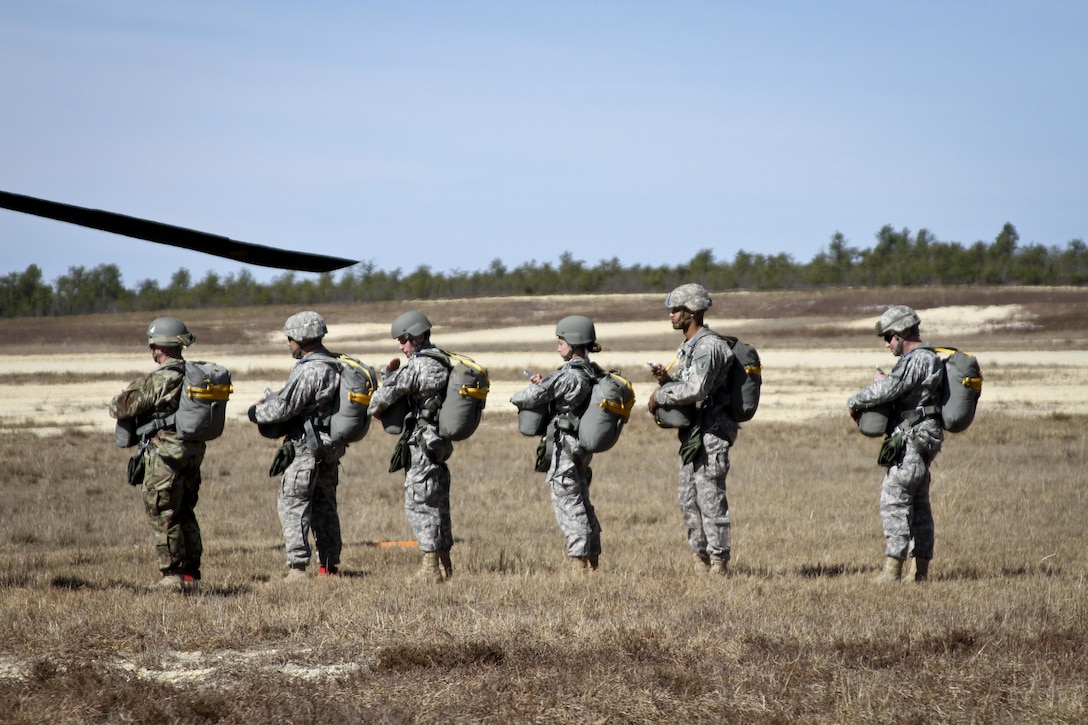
<point>913,389</point>
<point>308,459</point>
<point>700,377</point>
<point>421,383</point>
<point>565,393</point>
<point>168,469</point>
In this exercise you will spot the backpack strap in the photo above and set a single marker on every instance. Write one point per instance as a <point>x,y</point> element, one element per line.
<point>167,418</point>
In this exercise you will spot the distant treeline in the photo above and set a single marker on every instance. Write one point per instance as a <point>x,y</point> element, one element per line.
<point>898,258</point>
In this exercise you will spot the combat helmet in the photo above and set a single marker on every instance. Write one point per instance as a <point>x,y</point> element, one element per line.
<point>410,323</point>
<point>691,296</point>
<point>305,325</point>
<point>169,332</point>
<point>576,330</point>
<point>895,319</point>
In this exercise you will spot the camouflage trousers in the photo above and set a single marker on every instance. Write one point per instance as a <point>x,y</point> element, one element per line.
<point>905,511</point>
<point>171,488</point>
<point>307,502</point>
<point>701,493</point>
<point>569,476</point>
<point>427,493</point>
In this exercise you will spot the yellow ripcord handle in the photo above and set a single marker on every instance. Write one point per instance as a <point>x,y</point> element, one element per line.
<point>210,392</point>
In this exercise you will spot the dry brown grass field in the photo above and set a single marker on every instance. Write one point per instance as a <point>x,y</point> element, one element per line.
<point>796,633</point>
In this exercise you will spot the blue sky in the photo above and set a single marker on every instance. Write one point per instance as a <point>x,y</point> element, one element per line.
<point>450,134</point>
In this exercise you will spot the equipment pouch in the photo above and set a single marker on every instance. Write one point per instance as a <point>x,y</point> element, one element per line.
<point>891,451</point>
<point>691,442</point>
<point>542,461</point>
<point>284,455</point>
<point>136,467</point>
<point>402,456</point>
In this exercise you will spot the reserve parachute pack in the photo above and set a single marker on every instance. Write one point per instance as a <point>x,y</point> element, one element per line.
<point>349,421</point>
<point>961,390</point>
<point>466,396</point>
<point>202,405</point>
<point>610,404</point>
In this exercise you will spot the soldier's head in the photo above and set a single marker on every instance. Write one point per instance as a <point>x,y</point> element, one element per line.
<point>304,331</point>
<point>166,336</point>
<point>577,336</point>
<point>898,326</point>
<point>412,330</point>
<point>687,304</point>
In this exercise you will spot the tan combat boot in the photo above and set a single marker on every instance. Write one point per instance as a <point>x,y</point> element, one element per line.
<point>295,573</point>
<point>446,564</point>
<point>592,562</point>
<point>170,583</point>
<point>700,563</point>
<point>893,570</point>
<point>577,564</point>
<point>431,568</point>
<point>719,565</point>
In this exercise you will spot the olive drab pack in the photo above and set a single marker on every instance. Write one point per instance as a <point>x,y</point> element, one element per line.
<point>961,390</point>
<point>466,396</point>
<point>745,380</point>
<point>202,405</point>
<point>610,404</point>
<point>349,421</point>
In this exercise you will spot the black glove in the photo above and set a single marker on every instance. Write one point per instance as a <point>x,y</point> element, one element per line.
<point>284,455</point>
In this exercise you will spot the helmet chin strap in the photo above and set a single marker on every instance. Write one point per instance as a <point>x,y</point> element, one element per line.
<point>899,346</point>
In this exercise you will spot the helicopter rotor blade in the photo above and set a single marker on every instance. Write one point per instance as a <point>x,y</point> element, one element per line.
<point>152,231</point>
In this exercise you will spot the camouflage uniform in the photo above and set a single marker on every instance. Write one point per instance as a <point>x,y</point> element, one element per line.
<point>905,511</point>
<point>566,392</point>
<point>423,378</point>
<point>307,497</point>
<point>701,376</point>
<point>171,483</point>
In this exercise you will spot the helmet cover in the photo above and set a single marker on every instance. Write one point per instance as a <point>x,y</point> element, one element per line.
<point>305,325</point>
<point>691,296</point>
<point>897,318</point>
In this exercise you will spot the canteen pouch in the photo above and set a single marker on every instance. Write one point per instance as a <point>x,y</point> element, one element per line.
<point>891,451</point>
<point>284,455</point>
<point>691,442</point>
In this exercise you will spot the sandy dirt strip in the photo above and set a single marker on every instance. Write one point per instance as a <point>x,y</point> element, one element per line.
<point>798,385</point>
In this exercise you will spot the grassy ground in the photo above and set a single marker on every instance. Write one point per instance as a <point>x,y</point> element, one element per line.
<point>797,633</point>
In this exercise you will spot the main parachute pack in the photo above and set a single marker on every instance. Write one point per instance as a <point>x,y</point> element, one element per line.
<point>610,404</point>
<point>744,384</point>
<point>349,421</point>
<point>463,406</point>
<point>960,392</point>
<point>202,406</point>
<point>466,396</point>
